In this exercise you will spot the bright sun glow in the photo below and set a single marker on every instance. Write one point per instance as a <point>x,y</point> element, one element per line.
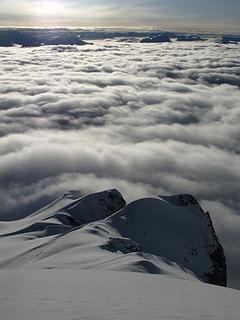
<point>51,8</point>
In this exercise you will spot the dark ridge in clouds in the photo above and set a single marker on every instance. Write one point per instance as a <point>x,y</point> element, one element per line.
<point>27,37</point>
<point>143,118</point>
<point>37,38</point>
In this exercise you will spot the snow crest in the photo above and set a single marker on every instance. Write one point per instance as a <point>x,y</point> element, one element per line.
<point>169,235</point>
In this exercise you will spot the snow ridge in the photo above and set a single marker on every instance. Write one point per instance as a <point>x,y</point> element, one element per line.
<point>169,235</point>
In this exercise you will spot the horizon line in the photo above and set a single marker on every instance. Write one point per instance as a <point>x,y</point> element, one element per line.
<point>126,28</point>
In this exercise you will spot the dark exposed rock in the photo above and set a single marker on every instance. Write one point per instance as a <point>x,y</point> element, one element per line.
<point>156,39</point>
<point>95,206</point>
<point>183,37</point>
<point>218,273</point>
<point>23,38</point>
<point>181,200</point>
<point>123,245</point>
<point>9,38</point>
<point>229,39</point>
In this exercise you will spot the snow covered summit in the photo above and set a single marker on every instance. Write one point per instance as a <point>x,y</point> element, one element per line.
<point>169,235</point>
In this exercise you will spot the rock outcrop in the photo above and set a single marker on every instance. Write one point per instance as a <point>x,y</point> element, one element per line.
<point>156,39</point>
<point>94,206</point>
<point>218,271</point>
<point>11,37</point>
<point>194,37</point>
<point>229,39</point>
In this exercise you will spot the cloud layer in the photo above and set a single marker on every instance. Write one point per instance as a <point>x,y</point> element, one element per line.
<point>144,118</point>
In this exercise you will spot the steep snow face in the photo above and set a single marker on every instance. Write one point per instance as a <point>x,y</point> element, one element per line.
<point>217,273</point>
<point>96,206</point>
<point>68,211</point>
<point>175,228</point>
<point>85,209</point>
<point>161,235</point>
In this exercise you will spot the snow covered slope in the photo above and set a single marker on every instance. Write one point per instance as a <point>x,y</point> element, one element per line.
<point>158,235</point>
<point>103,295</point>
<point>69,210</point>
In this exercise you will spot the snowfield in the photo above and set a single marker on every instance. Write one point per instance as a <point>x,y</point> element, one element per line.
<point>104,295</point>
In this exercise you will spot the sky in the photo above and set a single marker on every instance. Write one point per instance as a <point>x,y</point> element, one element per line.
<point>214,15</point>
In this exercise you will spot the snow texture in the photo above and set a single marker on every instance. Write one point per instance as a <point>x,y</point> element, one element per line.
<point>101,295</point>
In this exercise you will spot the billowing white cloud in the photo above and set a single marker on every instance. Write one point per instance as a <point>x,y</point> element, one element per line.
<point>144,118</point>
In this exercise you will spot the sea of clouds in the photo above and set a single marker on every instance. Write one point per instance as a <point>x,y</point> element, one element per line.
<point>143,118</point>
